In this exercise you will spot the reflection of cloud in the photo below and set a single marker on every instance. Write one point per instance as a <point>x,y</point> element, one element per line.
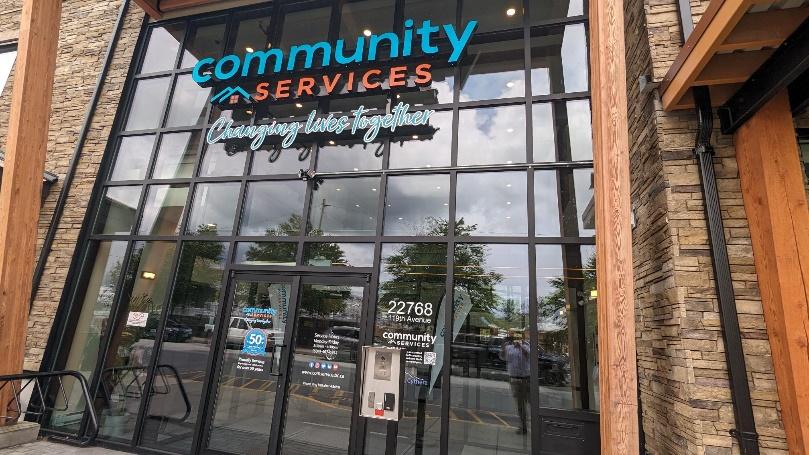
<point>494,201</point>
<point>214,204</point>
<point>413,200</point>
<point>491,135</point>
<point>574,58</point>
<point>426,153</point>
<point>547,203</point>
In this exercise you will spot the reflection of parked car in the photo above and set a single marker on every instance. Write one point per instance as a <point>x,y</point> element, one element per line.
<point>174,331</point>
<point>348,340</point>
<point>238,327</point>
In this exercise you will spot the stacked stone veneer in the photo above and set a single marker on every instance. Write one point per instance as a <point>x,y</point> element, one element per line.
<point>84,34</point>
<point>684,387</point>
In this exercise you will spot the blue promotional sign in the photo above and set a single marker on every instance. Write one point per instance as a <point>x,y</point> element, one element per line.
<point>255,342</point>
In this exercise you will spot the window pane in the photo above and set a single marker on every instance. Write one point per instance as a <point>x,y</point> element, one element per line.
<point>491,203</point>
<point>559,60</point>
<point>442,12</point>
<point>185,346</point>
<point>412,284</point>
<point>417,205</point>
<point>543,129</point>
<point>164,42</point>
<point>547,203</point>
<point>104,269</point>
<point>352,103</point>
<point>285,161</point>
<point>118,209</point>
<point>338,156</point>
<point>490,349</point>
<point>577,202</point>
<point>375,16</point>
<point>344,207</point>
<point>132,159</point>
<point>217,161</point>
<point>493,14</point>
<point>573,130</point>
<point>6,64</point>
<point>205,39</point>
<point>252,34</point>
<point>163,210</point>
<point>338,254</point>
<point>546,10</point>
<point>308,26</point>
<point>188,104</point>
<point>213,209</point>
<point>432,148</point>
<point>493,71</point>
<point>127,359</point>
<point>266,253</point>
<point>147,104</point>
<point>492,135</point>
<point>439,91</point>
<point>176,156</point>
<point>566,305</point>
<point>281,217</point>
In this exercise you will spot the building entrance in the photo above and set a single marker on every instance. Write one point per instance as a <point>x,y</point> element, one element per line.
<point>285,376</point>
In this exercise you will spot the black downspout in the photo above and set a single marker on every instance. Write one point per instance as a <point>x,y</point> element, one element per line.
<point>745,431</point>
<point>74,159</point>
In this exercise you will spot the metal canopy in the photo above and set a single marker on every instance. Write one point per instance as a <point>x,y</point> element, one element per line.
<point>732,40</point>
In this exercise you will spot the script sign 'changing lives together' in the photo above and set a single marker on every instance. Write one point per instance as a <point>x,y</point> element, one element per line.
<point>270,72</point>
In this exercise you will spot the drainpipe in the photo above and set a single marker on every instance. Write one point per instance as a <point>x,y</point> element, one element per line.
<point>745,431</point>
<point>74,159</point>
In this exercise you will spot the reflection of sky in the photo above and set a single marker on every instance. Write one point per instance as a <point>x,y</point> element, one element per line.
<point>269,204</point>
<point>144,113</point>
<point>584,193</point>
<point>410,200</point>
<point>543,129</point>
<point>426,153</point>
<point>188,102</point>
<point>549,266</point>
<point>133,158</point>
<point>547,203</point>
<point>353,157</point>
<point>214,207</point>
<point>345,206</point>
<point>159,203</point>
<point>574,58</point>
<point>288,161</point>
<point>491,135</point>
<point>494,201</point>
<point>176,154</point>
<point>216,161</point>
<point>162,50</point>
<point>581,139</point>
<point>6,63</point>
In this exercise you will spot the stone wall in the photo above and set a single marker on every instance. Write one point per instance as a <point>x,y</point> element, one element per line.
<point>84,34</point>
<point>685,393</point>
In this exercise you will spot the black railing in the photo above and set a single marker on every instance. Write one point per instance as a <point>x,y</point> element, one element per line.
<point>120,384</point>
<point>43,402</point>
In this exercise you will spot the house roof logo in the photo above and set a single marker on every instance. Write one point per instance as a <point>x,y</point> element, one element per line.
<point>230,95</point>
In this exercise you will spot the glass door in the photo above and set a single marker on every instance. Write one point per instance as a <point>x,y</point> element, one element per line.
<point>266,395</point>
<point>249,376</point>
<point>320,410</point>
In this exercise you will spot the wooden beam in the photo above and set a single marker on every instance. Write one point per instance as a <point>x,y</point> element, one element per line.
<point>732,68</point>
<point>719,96</point>
<point>775,201</point>
<point>26,144</point>
<point>150,8</point>
<point>156,9</point>
<point>716,24</point>
<point>618,381</point>
<point>765,29</point>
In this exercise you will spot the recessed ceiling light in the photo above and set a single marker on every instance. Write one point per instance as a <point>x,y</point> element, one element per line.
<point>366,32</point>
<point>511,11</point>
<point>298,105</point>
<point>508,202</point>
<point>248,49</point>
<point>356,169</point>
<point>400,218</point>
<point>510,130</point>
<point>509,162</point>
<point>331,142</point>
<point>415,136</point>
<point>356,205</point>
<point>373,189</point>
<point>269,45</point>
<point>508,217</point>
<point>438,187</point>
<point>337,189</point>
<point>446,203</point>
<point>510,84</point>
<point>508,185</point>
<point>148,275</point>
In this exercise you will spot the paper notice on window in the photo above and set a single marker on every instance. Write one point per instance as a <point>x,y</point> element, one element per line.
<point>137,319</point>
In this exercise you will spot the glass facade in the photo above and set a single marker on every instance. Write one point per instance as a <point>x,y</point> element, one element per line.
<point>489,207</point>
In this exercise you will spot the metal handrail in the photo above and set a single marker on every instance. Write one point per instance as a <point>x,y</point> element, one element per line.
<point>37,407</point>
<point>120,372</point>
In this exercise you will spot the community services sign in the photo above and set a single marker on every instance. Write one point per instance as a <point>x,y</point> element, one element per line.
<point>267,69</point>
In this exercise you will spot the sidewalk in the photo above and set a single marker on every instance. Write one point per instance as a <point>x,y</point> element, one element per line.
<point>47,447</point>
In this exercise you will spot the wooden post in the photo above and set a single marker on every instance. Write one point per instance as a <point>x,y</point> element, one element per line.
<point>617,368</point>
<point>20,192</point>
<point>775,202</point>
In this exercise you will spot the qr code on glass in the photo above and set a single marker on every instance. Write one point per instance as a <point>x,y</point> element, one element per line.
<point>429,358</point>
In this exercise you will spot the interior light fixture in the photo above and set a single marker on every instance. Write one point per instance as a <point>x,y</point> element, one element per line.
<point>511,11</point>
<point>331,142</point>
<point>510,84</point>
<point>366,32</point>
<point>415,136</point>
<point>248,49</point>
<point>148,275</point>
<point>298,105</point>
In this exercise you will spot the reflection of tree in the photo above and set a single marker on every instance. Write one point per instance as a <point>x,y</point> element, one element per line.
<point>553,306</point>
<point>198,274</point>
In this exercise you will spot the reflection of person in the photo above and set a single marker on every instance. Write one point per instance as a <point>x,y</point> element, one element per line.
<point>515,353</point>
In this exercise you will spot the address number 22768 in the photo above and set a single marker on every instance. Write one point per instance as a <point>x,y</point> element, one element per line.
<point>408,308</point>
